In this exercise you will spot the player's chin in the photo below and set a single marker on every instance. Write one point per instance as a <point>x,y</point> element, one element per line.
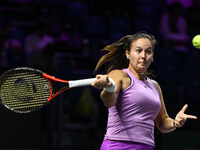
<point>143,66</point>
<point>142,69</point>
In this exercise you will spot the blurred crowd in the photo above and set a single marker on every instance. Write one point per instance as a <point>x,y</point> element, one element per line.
<point>65,38</point>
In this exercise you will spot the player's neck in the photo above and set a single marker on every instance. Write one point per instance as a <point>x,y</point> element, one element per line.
<point>139,75</point>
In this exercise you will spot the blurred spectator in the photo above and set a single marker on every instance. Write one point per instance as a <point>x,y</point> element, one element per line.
<point>176,42</point>
<point>185,3</point>
<point>44,59</point>
<point>12,50</point>
<point>72,36</point>
<point>15,53</point>
<point>38,39</point>
<point>173,28</point>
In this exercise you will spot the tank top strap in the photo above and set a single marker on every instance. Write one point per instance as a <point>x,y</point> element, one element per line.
<point>129,73</point>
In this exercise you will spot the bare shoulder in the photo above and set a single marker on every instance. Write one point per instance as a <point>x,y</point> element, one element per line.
<point>121,79</point>
<point>118,74</point>
<point>156,83</point>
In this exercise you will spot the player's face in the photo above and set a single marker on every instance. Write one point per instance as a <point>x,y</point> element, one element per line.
<point>140,55</point>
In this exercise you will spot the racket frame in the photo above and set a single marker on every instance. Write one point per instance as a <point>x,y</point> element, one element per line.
<point>52,95</point>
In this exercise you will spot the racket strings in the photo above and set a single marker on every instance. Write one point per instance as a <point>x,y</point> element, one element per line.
<point>24,90</point>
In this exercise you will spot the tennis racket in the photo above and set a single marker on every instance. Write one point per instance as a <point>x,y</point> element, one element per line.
<point>23,90</point>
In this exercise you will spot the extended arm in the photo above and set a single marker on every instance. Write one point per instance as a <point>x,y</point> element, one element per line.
<point>109,98</point>
<point>164,123</point>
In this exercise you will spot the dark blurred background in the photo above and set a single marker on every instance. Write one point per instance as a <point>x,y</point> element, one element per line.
<point>64,38</point>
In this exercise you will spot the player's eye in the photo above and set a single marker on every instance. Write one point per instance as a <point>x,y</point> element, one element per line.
<point>138,50</point>
<point>149,52</point>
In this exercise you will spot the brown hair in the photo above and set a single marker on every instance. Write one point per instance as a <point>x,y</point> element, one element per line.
<point>117,55</point>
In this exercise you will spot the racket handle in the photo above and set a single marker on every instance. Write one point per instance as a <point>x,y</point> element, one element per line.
<point>80,83</point>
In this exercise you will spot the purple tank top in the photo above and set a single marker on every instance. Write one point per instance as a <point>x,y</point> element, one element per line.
<point>132,118</point>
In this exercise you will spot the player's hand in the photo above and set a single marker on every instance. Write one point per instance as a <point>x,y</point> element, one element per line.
<point>181,117</point>
<point>102,81</point>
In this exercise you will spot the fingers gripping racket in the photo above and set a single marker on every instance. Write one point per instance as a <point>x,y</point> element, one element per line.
<point>23,90</point>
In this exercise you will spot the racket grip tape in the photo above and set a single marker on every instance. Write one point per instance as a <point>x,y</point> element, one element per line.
<point>81,83</point>
<point>88,82</point>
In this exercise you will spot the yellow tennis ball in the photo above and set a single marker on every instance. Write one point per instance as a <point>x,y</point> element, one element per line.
<point>196,41</point>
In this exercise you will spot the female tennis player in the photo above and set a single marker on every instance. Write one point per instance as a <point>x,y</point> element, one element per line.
<point>134,101</point>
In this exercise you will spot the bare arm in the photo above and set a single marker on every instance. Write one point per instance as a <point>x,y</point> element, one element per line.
<point>109,98</point>
<point>163,122</point>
